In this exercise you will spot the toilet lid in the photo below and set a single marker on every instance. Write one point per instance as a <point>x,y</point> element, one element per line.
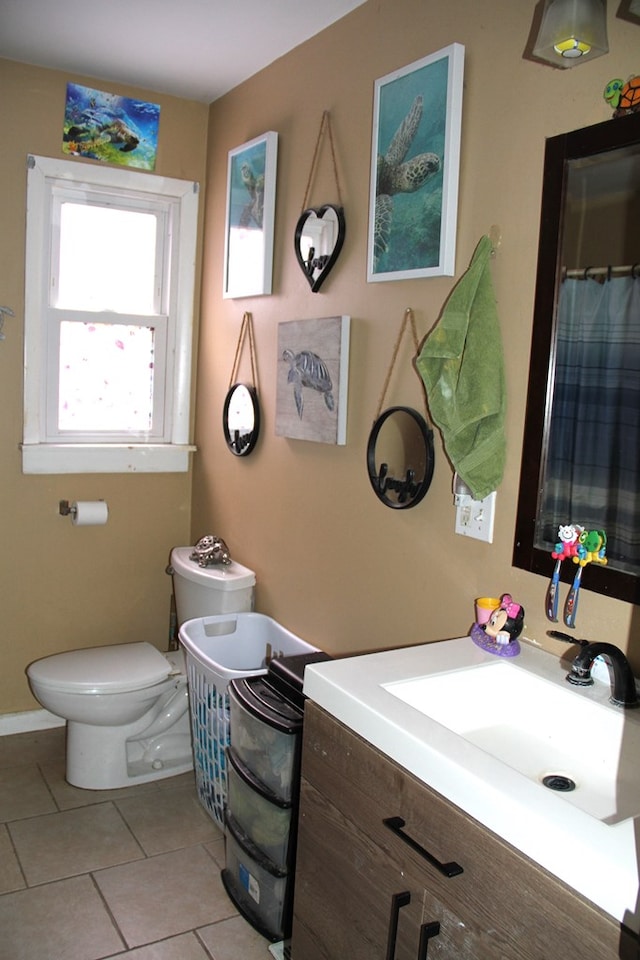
<point>118,668</point>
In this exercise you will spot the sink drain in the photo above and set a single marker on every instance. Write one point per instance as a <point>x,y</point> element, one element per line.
<point>558,781</point>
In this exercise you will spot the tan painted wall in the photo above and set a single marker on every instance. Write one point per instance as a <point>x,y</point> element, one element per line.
<point>63,587</point>
<point>332,563</point>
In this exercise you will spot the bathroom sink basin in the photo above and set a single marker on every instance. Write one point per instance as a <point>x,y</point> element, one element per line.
<point>585,751</point>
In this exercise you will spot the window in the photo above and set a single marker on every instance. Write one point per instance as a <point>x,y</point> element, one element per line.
<point>110,270</point>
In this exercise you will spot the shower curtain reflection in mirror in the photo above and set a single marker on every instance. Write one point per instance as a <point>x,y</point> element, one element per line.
<point>592,474</point>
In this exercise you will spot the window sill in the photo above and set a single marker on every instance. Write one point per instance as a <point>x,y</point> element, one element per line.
<point>49,458</point>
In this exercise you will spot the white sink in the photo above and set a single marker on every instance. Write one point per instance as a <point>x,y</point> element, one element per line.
<point>540,729</point>
<point>481,730</point>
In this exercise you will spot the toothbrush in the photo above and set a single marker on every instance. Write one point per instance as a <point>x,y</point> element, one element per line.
<point>571,603</point>
<point>552,593</point>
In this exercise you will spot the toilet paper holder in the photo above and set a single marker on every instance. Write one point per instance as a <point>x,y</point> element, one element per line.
<point>68,509</point>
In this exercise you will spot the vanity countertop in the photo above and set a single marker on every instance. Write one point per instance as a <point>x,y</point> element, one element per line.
<point>595,858</point>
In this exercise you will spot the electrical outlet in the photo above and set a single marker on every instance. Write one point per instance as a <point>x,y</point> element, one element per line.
<point>474,518</point>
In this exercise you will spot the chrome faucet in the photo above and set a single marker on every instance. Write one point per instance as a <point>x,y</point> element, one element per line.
<point>623,684</point>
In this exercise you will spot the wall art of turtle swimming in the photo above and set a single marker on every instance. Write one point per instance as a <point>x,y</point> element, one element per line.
<point>103,126</point>
<point>414,168</point>
<point>312,379</point>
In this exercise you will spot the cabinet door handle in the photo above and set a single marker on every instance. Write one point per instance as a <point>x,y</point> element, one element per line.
<point>395,824</point>
<point>398,900</point>
<point>427,931</point>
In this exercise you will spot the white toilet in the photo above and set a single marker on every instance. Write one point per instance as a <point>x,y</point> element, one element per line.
<point>126,705</point>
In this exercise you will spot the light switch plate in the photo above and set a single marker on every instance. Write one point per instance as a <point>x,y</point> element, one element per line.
<point>474,518</point>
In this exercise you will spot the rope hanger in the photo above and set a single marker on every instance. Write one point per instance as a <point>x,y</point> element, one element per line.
<point>325,127</point>
<point>408,318</point>
<point>246,332</point>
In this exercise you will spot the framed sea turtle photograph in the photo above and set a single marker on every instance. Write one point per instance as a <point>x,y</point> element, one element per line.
<point>415,163</point>
<point>312,379</point>
<point>251,203</point>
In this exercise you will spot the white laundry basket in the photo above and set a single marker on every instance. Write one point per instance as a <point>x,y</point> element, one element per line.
<point>218,649</point>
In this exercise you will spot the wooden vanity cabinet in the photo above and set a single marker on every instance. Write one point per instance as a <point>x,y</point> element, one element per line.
<point>387,869</point>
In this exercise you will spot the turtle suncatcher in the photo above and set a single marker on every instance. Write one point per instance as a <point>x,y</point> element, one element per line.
<point>623,97</point>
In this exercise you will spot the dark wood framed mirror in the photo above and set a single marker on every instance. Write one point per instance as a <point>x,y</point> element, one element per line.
<point>583,400</point>
<point>241,419</point>
<point>400,457</point>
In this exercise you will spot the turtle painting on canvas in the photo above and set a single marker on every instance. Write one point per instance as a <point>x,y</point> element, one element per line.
<point>307,369</point>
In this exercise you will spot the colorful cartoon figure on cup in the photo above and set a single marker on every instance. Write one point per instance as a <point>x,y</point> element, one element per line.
<point>506,622</point>
<point>499,636</point>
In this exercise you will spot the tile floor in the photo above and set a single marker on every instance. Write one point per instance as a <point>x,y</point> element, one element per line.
<point>103,874</point>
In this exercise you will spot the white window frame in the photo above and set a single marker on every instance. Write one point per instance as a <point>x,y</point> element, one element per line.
<point>169,452</point>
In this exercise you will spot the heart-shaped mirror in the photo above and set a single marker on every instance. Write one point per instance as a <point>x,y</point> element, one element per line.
<point>318,241</point>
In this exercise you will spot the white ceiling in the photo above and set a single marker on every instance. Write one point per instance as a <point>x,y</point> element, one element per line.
<point>198,49</point>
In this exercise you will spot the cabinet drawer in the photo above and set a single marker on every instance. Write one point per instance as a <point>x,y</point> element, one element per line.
<point>510,906</point>
<point>349,894</point>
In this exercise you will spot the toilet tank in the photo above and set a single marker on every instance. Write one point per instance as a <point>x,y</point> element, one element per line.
<point>207,591</point>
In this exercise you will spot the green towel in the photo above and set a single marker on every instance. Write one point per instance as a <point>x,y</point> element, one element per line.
<point>462,366</point>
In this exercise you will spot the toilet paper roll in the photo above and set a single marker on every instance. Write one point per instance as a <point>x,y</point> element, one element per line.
<point>87,513</point>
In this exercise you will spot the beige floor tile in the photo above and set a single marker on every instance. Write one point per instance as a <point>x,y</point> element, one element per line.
<point>234,939</point>
<point>165,895</point>
<point>39,746</point>
<point>68,797</point>
<point>60,921</point>
<point>185,947</point>
<point>75,841</point>
<point>11,877</point>
<point>177,820</point>
<point>23,793</point>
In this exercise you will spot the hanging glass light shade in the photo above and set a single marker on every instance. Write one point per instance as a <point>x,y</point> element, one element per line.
<point>571,32</point>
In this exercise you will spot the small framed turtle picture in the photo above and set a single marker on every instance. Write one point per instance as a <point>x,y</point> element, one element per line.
<point>415,163</point>
<point>312,379</point>
<point>251,202</point>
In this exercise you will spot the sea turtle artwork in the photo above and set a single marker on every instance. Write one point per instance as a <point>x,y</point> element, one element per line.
<point>307,369</point>
<point>396,175</point>
<point>102,126</point>
<point>254,209</point>
<point>623,97</point>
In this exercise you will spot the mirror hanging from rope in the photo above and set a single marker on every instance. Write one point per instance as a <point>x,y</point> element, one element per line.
<point>320,231</point>
<point>241,411</point>
<point>400,452</point>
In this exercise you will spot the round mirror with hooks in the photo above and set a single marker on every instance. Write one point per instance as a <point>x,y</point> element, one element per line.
<point>400,457</point>
<point>241,419</point>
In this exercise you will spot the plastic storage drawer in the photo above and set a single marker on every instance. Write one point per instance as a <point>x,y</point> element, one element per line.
<point>266,820</point>
<point>265,735</point>
<point>256,886</point>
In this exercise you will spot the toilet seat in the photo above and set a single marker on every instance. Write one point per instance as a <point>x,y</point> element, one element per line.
<point>113,669</point>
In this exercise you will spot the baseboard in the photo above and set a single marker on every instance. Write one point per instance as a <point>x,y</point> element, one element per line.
<point>28,721</point>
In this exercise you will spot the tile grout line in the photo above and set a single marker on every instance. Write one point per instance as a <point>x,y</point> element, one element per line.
<point>109,913</point>
<point>130,830</point>
<point>18,861</point>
